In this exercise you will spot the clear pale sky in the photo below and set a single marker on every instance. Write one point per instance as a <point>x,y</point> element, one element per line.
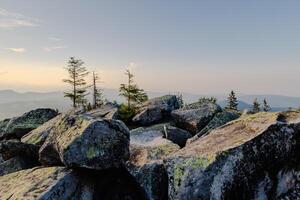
<point>194,46</point>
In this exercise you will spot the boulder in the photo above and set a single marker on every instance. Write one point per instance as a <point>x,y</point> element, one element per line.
<point>64,184</point>
<point>143,135</point>
<point>218,120</point>
<point>41,183</point>
<point>16,164</point>
<point>78,140</point>
<point>19,126</point>
<point>108,111</point>
<point>154,110</point>
<point>12,148</point>
<point>196,116</point>
<point>38,136</point>
<point>145,165</point>
<point>152,177</point>
<point>177,135</point>
<point>232,162</point>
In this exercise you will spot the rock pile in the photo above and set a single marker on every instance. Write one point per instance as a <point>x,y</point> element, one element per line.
<point>194,152</point>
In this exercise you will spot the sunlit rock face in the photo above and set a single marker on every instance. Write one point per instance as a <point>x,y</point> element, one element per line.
<point>82,141</point>
<point>245,159</point>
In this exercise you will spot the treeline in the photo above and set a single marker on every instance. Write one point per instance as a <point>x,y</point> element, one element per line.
<point>233,103</point>
<point>130,91</point>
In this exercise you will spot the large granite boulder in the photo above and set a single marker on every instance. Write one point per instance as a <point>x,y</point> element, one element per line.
<point>108,111</point>
<point>19,126</point>
<point>147,149</point>
<point>241,160</point>
<point>218,120</point>
<point>196,116</point>
<point>64,184</point>
<point>144,135</point>
<point>12,148</point>
<point>146,166</point>
<point>176,135</point>
<point>79,140</point>
<point>154,110</point>
<point>39,135</point>
<point>16,164</point>
<point>42,183</point>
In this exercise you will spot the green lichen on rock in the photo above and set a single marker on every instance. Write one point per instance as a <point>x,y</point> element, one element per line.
<point>91,152</point>
<point>19,126</point>
<point>181,167</point>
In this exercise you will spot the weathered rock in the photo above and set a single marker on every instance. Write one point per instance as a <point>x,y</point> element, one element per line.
<point>232,161</point>
<point>16,164</point>
<point>12,148</point>
<point>156,109</point>
<point>153,179</point>
<point>177,135</point>
<point>196,116</point>
<point>219,119</point>
<point>40,183</point>
<point>146,167</point>
<point>19,126</point>
<point>143,135</point>
<point>3,125</point>
<point>82,141</point>
<point>108,111</point>
<point>64,184</point>
<point>39,135</point>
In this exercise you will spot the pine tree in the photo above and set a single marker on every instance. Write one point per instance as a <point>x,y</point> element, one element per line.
<point>256,106</point>
<point>266,107</point>
<point>77,72</point>
<point>208,100</point>
<point>98,98</point>
<point>232,101</point>
<point>132,93</point>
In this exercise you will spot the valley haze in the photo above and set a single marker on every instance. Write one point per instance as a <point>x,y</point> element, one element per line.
<point>14,103</point>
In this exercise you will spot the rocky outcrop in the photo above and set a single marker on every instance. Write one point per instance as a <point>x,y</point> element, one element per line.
<point>152,177</point>
<point>41,183</point>
<point>196,116</point>
<point>176,135</point>
<point>40,134</point>
<point>146,166</point>
<point>12,148</point>
<point>61,183</point>
<point>218,120</point>
<point>17,163</point>
<point>19,126</point>
<point>237,161</point>
<point>108,111</point>
<point>156,109</point>
<point>144,135</point>
<point>82,141</point>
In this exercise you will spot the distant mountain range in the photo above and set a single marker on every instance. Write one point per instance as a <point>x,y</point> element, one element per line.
<point>13,103</point>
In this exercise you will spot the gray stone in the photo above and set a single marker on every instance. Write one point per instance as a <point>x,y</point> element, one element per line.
<point>231,162</point>
<point>82,141</point>
<point>19,126</point>
<point>196,116</point>
<point>16,164</point>
<point>154,110</point>
<point>12,148</point>
<point>218,120</point>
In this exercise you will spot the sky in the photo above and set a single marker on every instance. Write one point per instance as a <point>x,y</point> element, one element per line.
<point>195,46</point>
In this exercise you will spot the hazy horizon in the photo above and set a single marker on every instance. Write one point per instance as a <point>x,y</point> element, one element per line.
<point>203,47</point>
